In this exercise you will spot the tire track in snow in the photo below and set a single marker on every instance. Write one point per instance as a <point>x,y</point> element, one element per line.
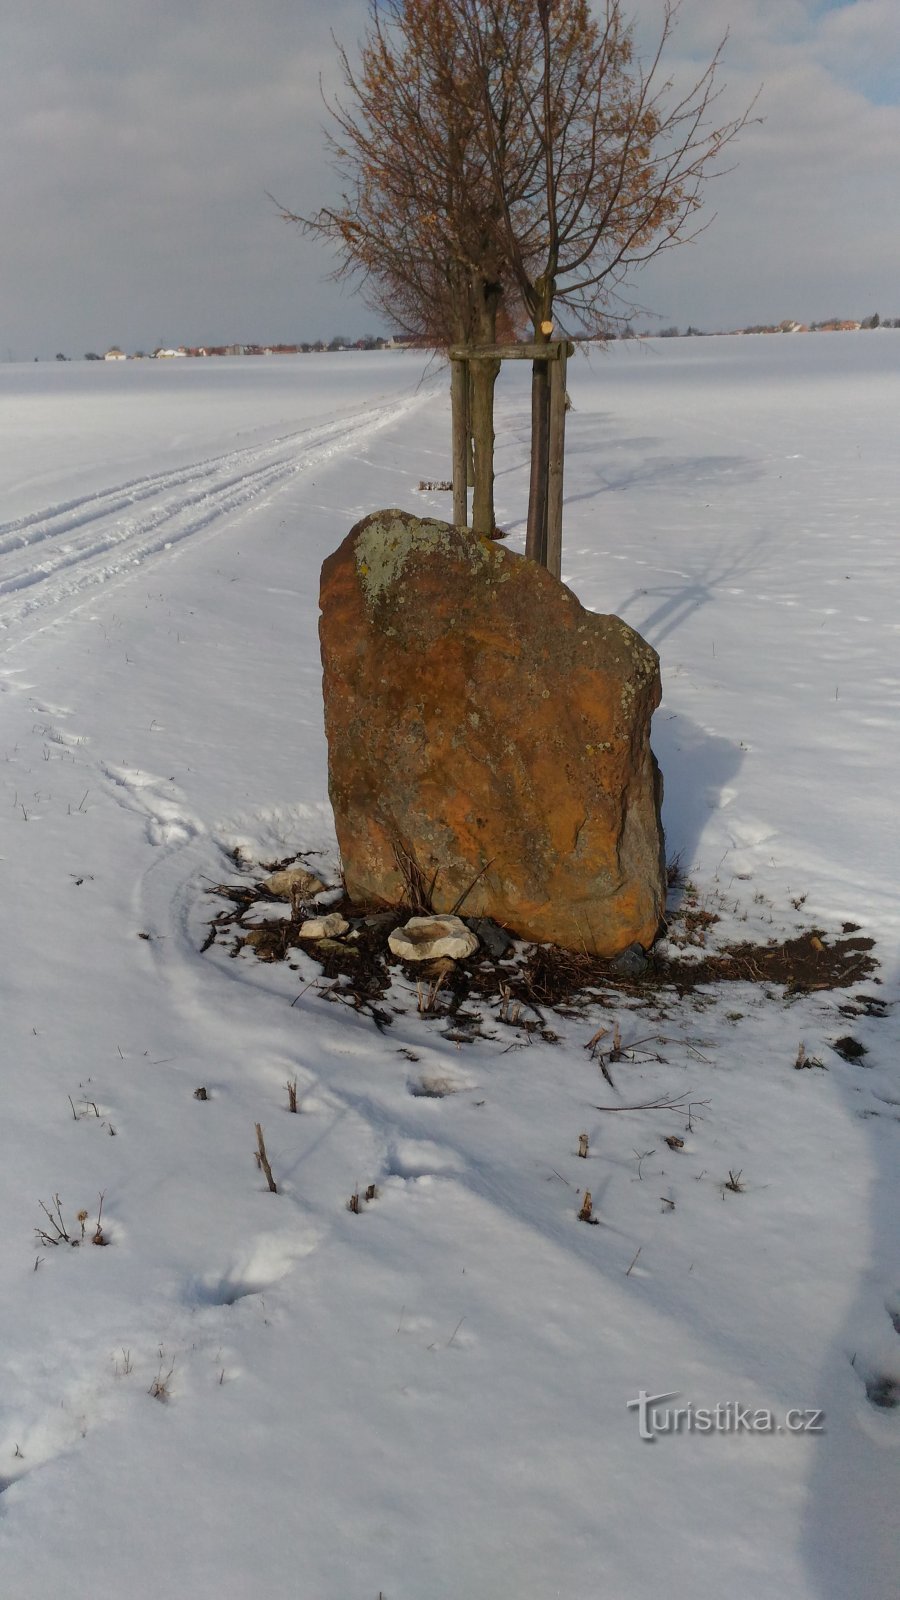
<point>54,553</point>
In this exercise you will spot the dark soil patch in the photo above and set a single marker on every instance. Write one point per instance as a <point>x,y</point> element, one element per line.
<point>556,978</point>
<point>865,1005</point>
<point>849,1049</point>
<point>802,965</point>
<point>358,968</point>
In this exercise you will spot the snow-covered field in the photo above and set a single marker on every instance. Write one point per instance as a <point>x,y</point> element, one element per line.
<point>251,1394</point>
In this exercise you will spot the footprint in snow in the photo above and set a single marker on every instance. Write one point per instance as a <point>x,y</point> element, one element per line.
<point>48,710</point>
<point>882,1377</point>
<point>437,1085</point>
<point>159,800</point>
<point>58,736</point>
<point>422,1158</point>
<point>262,1264</point>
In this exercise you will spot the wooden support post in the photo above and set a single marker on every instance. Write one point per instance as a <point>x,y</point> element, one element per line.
<point>544,543</point>
<point>536,529</point>
<point>470,442</point>
<point>459,404</point>
<point>557,457</point>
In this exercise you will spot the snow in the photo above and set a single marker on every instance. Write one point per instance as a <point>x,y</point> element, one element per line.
<point>430,1398</point>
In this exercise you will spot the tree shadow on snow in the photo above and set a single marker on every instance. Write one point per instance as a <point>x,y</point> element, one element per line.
<point>661,609</point>
<point>851,1535</point>
<point>611,461</point>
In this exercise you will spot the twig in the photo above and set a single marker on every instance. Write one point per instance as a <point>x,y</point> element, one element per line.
<point>637,1044</point>
<point>60,1233</point>
<point>418,892</point>
<point>700,1057</point>
<point>666,1103</point>
<point>313,983</point>
<point>634,1259</point>
<point>99,1236</point>
<point>641,1157</point>
<point>466,892</point>
<point>264,1160</point>
<point>426,997</point>
<point>691,1107</point>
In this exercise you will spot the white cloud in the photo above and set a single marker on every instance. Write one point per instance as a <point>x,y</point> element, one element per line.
<point>805,225</point>
<point>137,142</point>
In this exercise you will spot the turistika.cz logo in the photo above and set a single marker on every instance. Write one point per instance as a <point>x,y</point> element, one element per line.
<point>656,1417</point>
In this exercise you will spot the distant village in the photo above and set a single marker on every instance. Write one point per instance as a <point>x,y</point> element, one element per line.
<point>407,342</point>
<point>833,325</point>
<point>398,342</point>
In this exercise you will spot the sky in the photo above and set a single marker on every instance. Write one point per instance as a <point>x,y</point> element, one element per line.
<point>139,146</point>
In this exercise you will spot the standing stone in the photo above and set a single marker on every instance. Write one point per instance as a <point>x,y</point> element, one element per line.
<point>489,732</point>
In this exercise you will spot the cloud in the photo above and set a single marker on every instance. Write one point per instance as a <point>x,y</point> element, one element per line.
<point>137,143</point>
<point>804,225</point>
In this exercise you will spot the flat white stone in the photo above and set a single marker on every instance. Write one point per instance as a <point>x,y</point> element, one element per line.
<point>324,927</point>
<point>423,938</point>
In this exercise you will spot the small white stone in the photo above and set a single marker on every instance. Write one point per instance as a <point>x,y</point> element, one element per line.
<point>294,880</point>
<point>423,938</point>
<point>324,927</point>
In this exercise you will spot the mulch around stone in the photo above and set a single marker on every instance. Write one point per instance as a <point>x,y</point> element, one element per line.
<point>358,969</point>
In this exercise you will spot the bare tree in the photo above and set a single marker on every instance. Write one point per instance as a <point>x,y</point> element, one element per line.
<point>613,172</point>
<point>505,154</point>
<point>419,222</point>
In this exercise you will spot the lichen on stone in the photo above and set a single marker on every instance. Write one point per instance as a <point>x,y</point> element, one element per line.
<point>388,541</point>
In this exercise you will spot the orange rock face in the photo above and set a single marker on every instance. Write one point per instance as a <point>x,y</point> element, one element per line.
<point>484,725</point>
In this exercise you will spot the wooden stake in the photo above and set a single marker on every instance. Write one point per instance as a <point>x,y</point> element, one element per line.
<point>536,529</point>
<point>459,401</point>
<point>557,455</point>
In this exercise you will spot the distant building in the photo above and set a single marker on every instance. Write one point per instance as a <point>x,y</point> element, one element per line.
<point>115,354</point>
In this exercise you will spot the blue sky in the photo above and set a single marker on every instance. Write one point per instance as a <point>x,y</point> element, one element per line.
<point>137,144</point>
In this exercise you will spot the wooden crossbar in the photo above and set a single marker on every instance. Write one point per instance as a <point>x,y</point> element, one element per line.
<point>552,351</point>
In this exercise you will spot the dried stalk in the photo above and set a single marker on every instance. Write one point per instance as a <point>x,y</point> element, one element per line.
<point>264,1160</point>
